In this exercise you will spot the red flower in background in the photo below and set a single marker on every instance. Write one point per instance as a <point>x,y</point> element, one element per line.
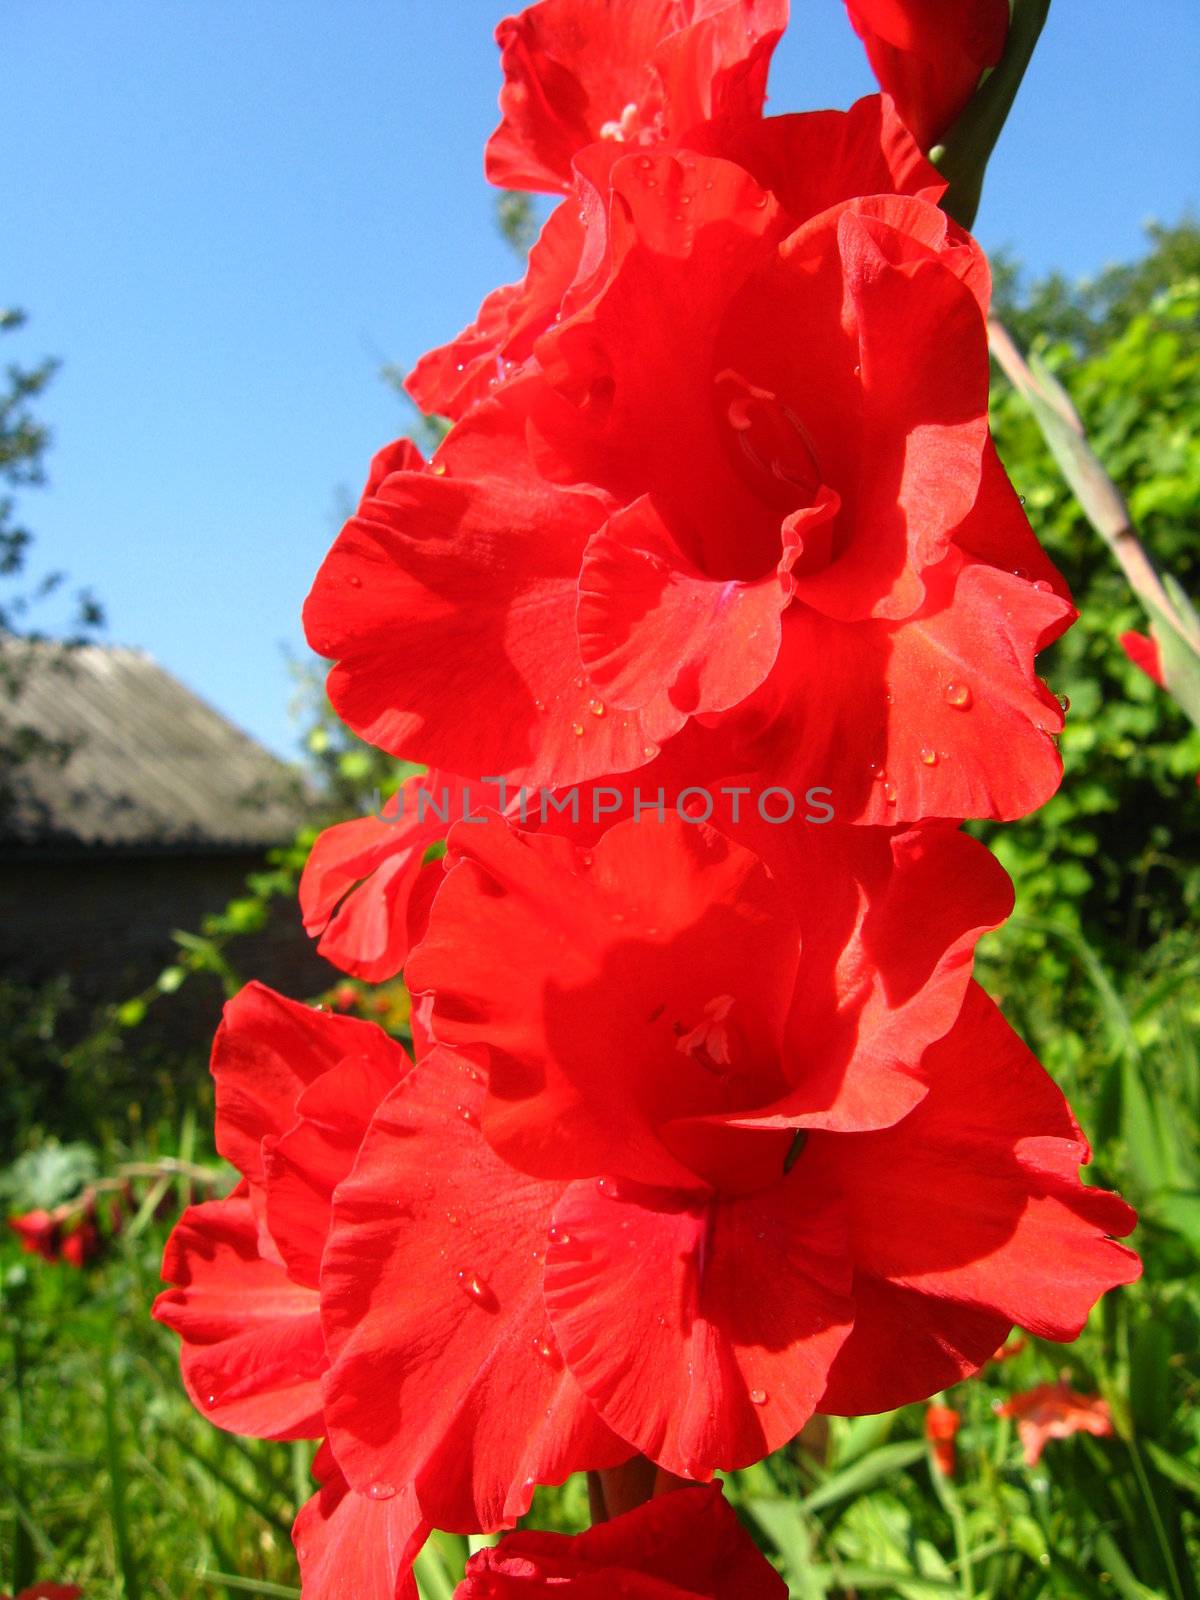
<point>68,1233</point>
<point>804,560</point>
<point>1055,1411</point>
<point>665,1157</point>
<point>929,55</point>
<point>48,1591</point>
<point>941,1429</point>
<point>687,1545</point>
<point>632,72</point>
<point>1143,651</point>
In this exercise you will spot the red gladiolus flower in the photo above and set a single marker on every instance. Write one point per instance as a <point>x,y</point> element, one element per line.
<point>930,54</point>
<point>741,1190</point>
<point>801,562</point>
<point>296,1089</point>
<point>809,162</point>
<point>632,72</point>
<point>1143,651</point>
<point>1055,1411</point>
<point>941,1429</point>
<point>687,1545</point>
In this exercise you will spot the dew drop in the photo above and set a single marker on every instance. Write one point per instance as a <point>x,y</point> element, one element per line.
<point>1042,586</point>
<point>645,163</point>
<point>354,580</point>
<point>608,1186</point>
<point>468,1116</point>
<point>546,1352</point>
<point>210,1400</point>
<point>958,695</point>
<point>382,1491</point>
<point>452,1219</point>
<point>1019,572</point>
<point>708,183</point>
<point>556,1235</point>
<point>758,1397</point>
<point>651,183</point>
<point>596,707</point>
<point>1021,498</point>
<point>477,1289</point>
<point>929,756</point>
<point>889,793</point>
<point>438,469</point>
<point>539,705</point>
<point>761,203</point>
<point>577,729</point>
<point>878,773</point>
<point>1065,702</point>
<point>649,751</point>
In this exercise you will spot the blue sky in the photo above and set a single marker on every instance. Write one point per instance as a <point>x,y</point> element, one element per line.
<point>224,216</point>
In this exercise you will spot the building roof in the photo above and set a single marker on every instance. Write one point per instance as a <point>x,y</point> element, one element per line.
<point>121,756</point>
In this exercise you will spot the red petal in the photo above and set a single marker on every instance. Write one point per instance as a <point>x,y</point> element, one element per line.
<point>353,1547</point>
<point>462,591</point>
<point>582,973</point>
<point>702,1332</point>
<point>974,1200</point>
<point>267,1050</point>
<point>684,1545</point>
<point>654,628</point>
<point>444,1373</point>
<point>358,886</point>
<point>252,1355</point>
<point>1144,653</point>
<point>572,70</point>
<point>307,1164</point>
<point>930,54</point>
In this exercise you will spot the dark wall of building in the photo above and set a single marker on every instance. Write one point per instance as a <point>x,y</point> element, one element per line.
<point>107,922</point>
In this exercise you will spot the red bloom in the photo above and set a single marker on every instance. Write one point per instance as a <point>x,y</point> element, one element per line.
<point>633,72</point>
<point>687,1545</point>
<point>48,1591</point>
<point>1055,1411</point>
<point>655,1043</point>
<point>68,1233</point>
<point>38,1232</point>
<point>941,1429</point>
<point>296,1089</point>
<point>803,560</point>
<point>930,54</point>
<point>1143,651</point>
<point>808,161</point>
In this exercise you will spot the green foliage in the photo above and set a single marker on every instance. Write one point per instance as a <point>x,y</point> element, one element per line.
<point>1115,852</point>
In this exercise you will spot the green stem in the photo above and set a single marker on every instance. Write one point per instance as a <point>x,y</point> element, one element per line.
<point>963,156</point>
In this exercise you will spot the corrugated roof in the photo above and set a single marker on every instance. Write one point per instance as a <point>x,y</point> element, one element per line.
<point>151,766</point>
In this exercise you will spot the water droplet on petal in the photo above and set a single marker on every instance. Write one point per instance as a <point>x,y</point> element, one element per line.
<point>758,1397</point>
<point>958,695</point>
<point>596,707</point>
<point>1065,702</point>
<point>354,580</point>
<point>889,793</point>
<point>452,1219</point>
<point>382,1491</point>
<point>1042,586</point>
<point>608,1186</point>
<point>539,705</point>
<point>929,756</point>
<point>477,1289</point>
<point>645,163</point>
<point>577,729</point>
<point>1019,572</point>
<point>210,1399</point>
<point>649,751</point>
<point>556,1235</point>
<point>878,773</point>
<point>468,1116</point>
<point>546,1352</point>
<point>438,469</point>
